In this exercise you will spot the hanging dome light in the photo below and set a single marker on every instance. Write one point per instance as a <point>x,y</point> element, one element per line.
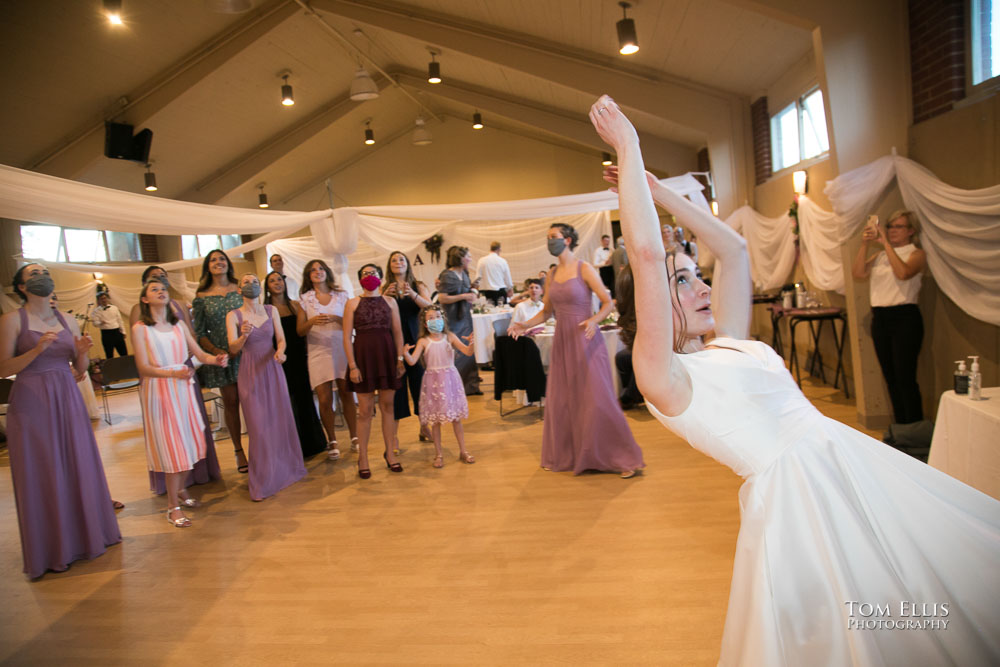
<point>421,135</point>
<point>628,43</point>
<point>477,121</point>
<point>363,87</point>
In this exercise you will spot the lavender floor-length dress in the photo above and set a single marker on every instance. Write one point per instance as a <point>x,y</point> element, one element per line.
<point>275,454</point>
<point>585,428</point>
<point>63,504</point>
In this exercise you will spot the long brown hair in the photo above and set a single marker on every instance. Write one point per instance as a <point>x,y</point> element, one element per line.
<point>206,277</point>
<point>390,277</point>
<point>625,300</point>
<point>307,284</point>
<point>268,293</point>
<point>146,313</point>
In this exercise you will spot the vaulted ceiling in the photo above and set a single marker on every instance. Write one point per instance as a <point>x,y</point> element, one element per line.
<point>207,83</point>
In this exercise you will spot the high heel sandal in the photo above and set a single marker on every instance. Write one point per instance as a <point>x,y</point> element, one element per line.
<point>395,467</point>
<point>364,473</point>
<point>354,444</point>
<point>332,453</point>
<point>182,522</point>
<point>425,435</point>
<point>466,457</point>
<point>244,468</point>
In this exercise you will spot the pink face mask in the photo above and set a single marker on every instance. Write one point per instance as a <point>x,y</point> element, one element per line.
<point>371,283</point>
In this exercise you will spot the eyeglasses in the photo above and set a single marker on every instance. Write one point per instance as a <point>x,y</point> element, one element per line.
<point>369,273</point>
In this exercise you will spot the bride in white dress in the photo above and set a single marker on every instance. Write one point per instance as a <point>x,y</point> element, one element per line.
<point>849,552</point>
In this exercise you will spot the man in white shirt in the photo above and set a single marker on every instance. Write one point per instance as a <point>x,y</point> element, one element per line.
<point>108,319</point>
<point>494,273</point>
<point>291,287</point>
<point>528,309</point>
<point>602,262</point>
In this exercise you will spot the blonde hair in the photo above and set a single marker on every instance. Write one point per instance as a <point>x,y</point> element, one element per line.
<point>911,220</point>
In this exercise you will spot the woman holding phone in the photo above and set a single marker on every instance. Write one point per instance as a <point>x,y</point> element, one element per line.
<point>894,273</point>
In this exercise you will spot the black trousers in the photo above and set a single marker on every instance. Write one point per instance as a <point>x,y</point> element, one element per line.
<point>412,379</point>
<point>608,278</point>
<point>898,332</point>
<point>630,392</point>
<point>113,339</point>
<point>497,296</point>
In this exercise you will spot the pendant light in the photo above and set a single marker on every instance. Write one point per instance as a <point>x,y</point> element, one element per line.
<point>262,197</point>
<point>150,179</point>
<point>421,135</point>
<point>628,43</point>
<point>369,133</point>
<point>433,67</point>
<point>286,91</point>
<point>363,87</point>
<point>606,159</point>
<point>477,121</point>
<point>113,10</point>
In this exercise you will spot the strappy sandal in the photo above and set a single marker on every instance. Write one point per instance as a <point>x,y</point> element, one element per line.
<point>245,468</point>
<point>438,462</point>
<point>332,453</point>
<point>466,457</point>
<point>182,522</point>
<point>354,444</point>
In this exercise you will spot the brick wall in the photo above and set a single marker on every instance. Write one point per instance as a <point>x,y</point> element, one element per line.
<point>937,56</point>
<point>761,127</point>
<point>148,249</point>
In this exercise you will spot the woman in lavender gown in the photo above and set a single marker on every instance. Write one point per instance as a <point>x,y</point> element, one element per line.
<point>275,454</point>
<point>207,469</point>
<point>585,428</point>
<point>64,507</point>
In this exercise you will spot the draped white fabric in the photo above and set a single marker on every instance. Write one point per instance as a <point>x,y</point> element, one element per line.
<point>819,232</point>
<point>960,229</point>
<point>771,245</point>
<point>523,244</point>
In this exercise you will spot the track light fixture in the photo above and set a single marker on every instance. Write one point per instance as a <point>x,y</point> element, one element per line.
<point>262,197</point>
<point>363,87</point>
<point>150,179</point>
<point>369,133</point>
<point>433,67</point>
<point>421,135</point>
<point>286,90</point>
<point>113,10</point>
<point>477,121</point>
<point>628,43</point>
<point>606,159</point>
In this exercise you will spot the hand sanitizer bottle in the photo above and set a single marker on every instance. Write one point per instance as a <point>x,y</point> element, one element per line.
<point>975,380</point>
<point>961,379</point>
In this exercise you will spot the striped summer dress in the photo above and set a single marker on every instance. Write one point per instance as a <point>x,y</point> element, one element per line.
<point>175,431</point>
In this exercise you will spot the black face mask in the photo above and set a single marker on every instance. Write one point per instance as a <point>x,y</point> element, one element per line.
<point>40,284</point>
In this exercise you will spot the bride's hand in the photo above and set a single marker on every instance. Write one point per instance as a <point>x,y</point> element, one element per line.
<point>611,124</point>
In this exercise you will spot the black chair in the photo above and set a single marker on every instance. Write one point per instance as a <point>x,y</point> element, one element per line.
<point>117,374</point>
<point>517,365</point>
<point>6,384</point>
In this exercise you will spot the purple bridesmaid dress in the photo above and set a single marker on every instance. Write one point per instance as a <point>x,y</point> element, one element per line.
<point>584,428</point>
<point>63,504</point>
<point>275,454</point>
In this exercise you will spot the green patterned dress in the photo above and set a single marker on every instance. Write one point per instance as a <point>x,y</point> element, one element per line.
<point>210,322</point>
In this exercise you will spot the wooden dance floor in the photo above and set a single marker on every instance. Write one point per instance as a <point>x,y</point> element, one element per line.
<point>498,562</point>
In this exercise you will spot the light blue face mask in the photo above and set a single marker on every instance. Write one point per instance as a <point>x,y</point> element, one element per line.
<point>436,325</point>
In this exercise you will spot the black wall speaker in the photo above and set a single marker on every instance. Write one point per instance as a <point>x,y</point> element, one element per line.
<point>119,143</point>
<point>140,145</point>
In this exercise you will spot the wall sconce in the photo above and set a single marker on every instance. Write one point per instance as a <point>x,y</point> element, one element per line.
<point>800,182</point>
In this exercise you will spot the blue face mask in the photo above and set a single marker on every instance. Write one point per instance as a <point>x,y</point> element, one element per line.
<point>435,325</point>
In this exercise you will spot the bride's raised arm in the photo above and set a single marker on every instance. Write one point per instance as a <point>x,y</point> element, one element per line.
<point>660,377</point>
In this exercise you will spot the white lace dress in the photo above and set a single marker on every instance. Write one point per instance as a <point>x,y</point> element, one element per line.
<point>325,342</point>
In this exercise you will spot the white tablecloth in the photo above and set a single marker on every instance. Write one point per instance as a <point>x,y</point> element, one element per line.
<point>966,442</point>
<point>482,334</point>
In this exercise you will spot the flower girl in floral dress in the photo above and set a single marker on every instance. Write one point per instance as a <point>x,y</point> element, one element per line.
<point>442,394</point>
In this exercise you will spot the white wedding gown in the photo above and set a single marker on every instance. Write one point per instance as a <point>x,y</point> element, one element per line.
<point>831,519</point>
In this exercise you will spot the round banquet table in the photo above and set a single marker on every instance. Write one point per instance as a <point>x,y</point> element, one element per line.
<point>482,333</point>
